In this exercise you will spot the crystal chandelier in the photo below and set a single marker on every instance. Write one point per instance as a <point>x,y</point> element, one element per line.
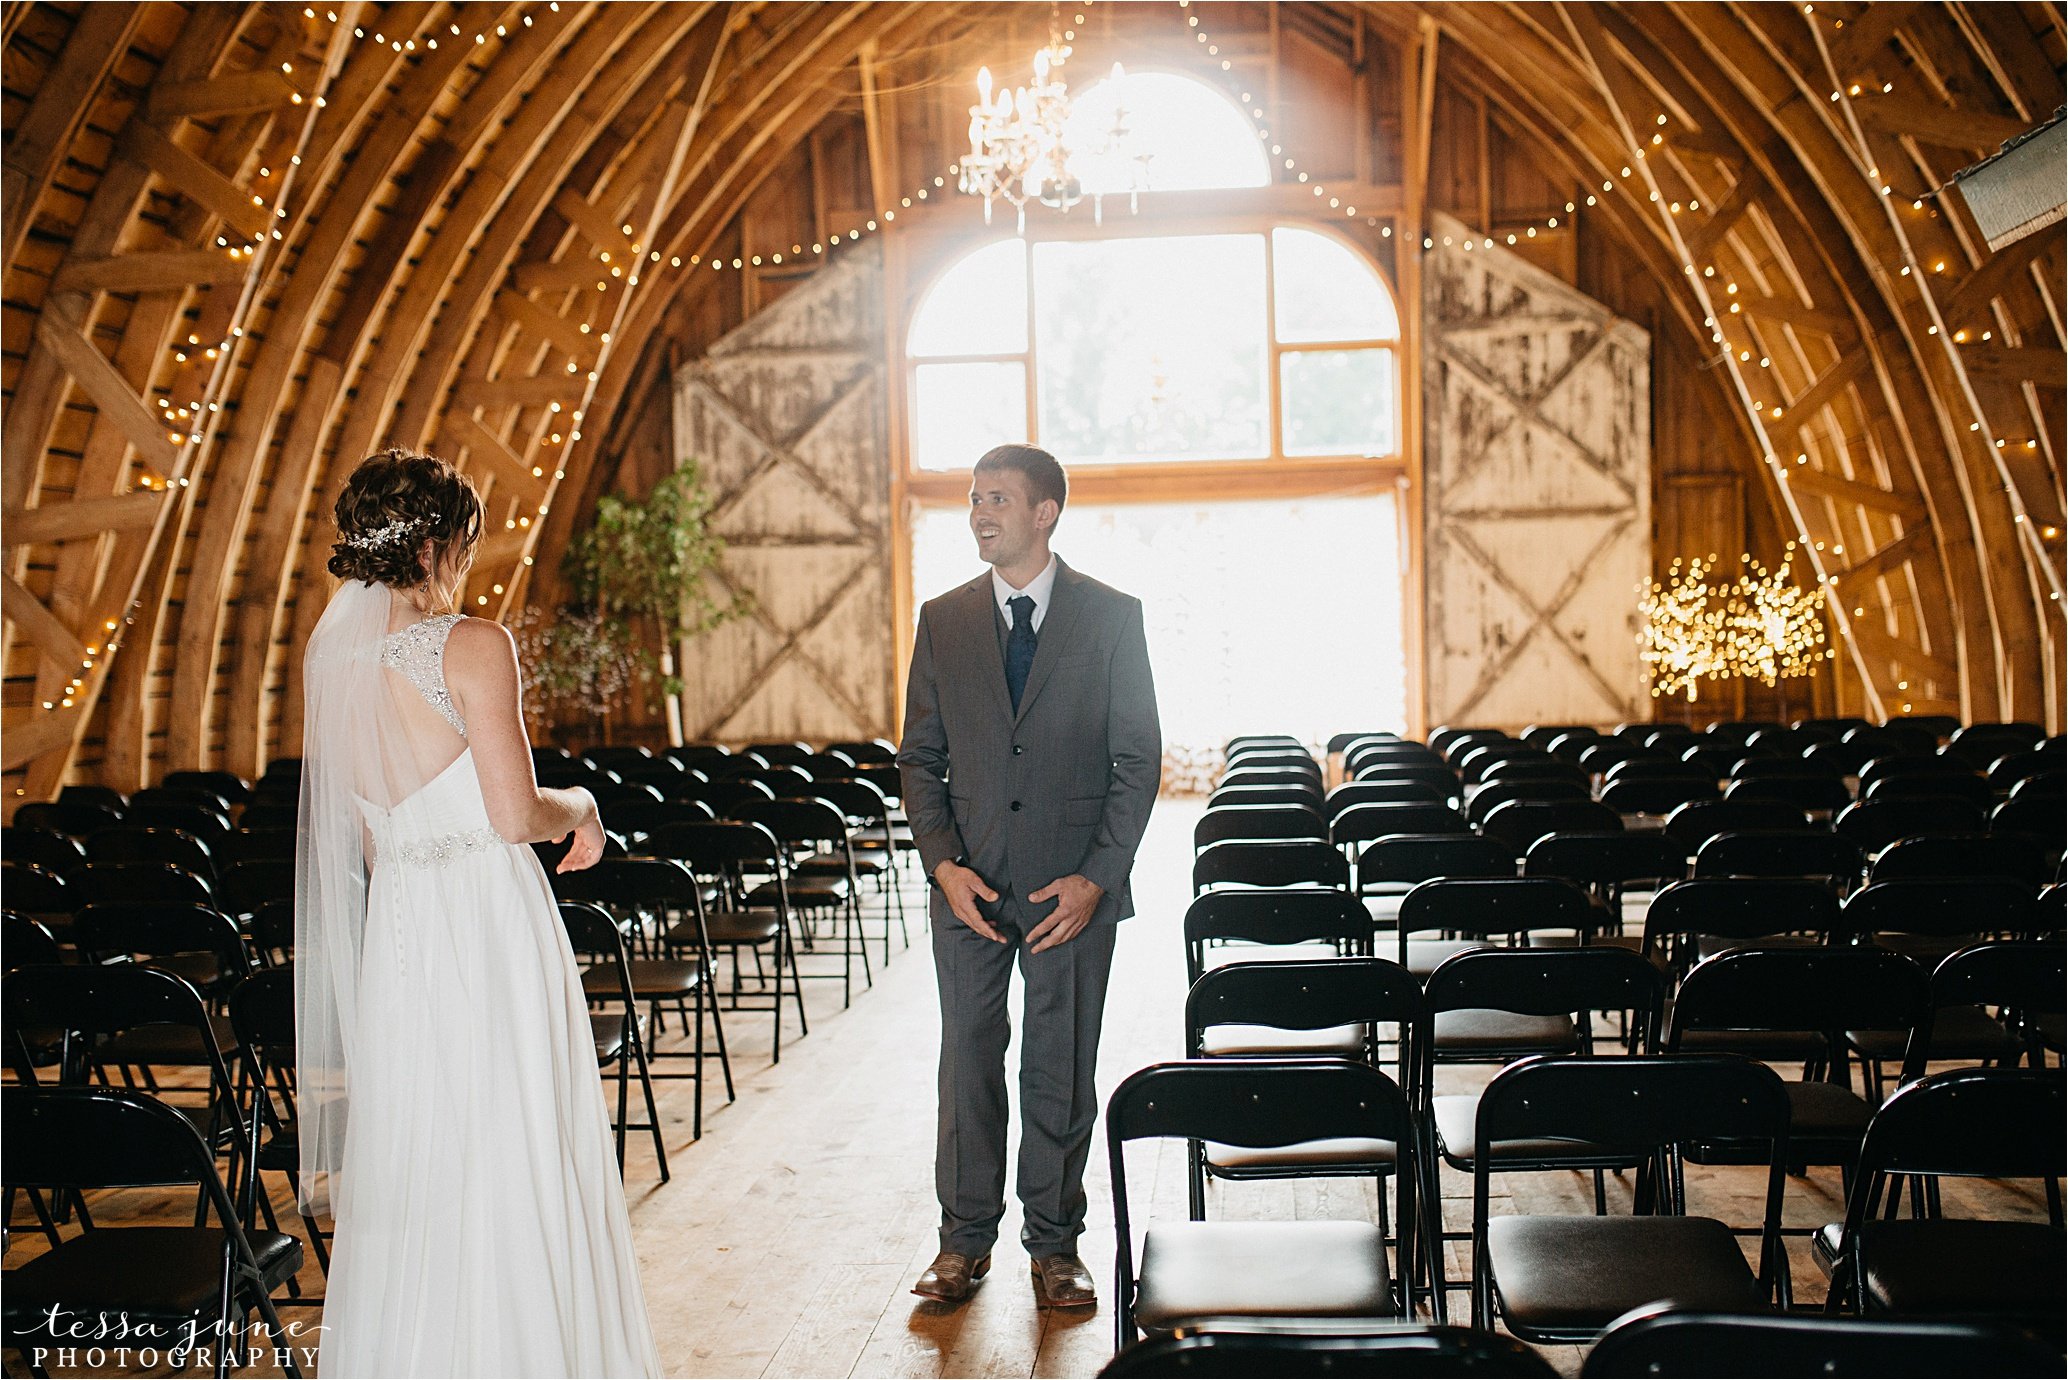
<point>1019,147</point>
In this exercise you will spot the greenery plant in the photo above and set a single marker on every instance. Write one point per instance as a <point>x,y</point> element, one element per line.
<point>639,577</point>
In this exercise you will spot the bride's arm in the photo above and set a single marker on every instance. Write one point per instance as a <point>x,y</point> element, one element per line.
<point>481,673</point>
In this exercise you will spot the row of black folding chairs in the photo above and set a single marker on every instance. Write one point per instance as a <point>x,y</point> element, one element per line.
<point>1565,1279</point>
<point>239,890</point>
<point>1687,923</point>
<point>70,1023</point>
<point>1978,742</point>
<point>183,1294</point>
<point>1637,780</point>
<point>1442,892</point>
<point>1982,762</point>
<point>750,886</point>
<point>1684,922</point>
<point>156,843</point>
<point>1495,1005</point>
<point>1651,1341</point>
<point>1873,841</point>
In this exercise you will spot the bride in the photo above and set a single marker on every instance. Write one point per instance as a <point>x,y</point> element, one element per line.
<point>451,1116</point>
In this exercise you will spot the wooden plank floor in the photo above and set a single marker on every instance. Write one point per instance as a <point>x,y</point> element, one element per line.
<point>790,1235</point>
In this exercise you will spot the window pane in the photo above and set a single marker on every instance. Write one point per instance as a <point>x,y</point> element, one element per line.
<point>1151,349</point>
<point>1324,291</point>
<point>959,411</point>
<point>1338,402</point>
<point>1180,135</point>
<point>978,307</point>
<point>1222,624</point>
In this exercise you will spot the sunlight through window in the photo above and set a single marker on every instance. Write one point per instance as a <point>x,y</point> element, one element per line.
<point>1184,136</point>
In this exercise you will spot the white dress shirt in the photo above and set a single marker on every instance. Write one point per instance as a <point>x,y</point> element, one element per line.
<point>1038,589</point>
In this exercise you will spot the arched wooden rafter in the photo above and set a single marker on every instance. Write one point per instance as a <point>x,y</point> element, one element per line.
<point>436,281</point>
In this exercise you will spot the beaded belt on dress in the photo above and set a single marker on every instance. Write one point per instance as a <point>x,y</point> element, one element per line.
<point>446,848</point>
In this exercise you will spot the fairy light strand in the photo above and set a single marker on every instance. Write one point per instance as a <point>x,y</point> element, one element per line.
<point>1761,626</point>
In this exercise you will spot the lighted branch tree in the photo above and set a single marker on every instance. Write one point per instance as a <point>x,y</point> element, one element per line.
<point>1699,627</point>
<point>639,576</point>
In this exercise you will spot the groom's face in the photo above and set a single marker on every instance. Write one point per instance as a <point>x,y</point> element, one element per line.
<point>1002,513</point>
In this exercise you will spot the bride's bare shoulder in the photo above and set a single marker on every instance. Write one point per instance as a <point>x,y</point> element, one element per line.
<point>479,644</point>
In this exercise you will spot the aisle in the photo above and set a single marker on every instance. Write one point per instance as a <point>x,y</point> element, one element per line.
<point>789,1239</point>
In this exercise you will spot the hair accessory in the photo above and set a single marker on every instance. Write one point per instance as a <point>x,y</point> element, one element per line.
<point>387,534</point>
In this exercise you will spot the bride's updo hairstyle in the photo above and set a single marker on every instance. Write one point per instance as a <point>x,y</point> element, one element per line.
<point>395,502</point>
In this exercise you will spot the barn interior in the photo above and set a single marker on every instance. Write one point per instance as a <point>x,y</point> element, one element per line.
<point>1573,383</point>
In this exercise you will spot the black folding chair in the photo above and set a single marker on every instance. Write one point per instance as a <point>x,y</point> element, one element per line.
<point>1667,1341</point>
<point>33,890</point>
<point>1821,794</point>
<point>1607,865</point>
<point>1992,1003</point>
<point>1566,1279</point>
<point>1301,796</point>
<point>1197,1270</point>
<point>116,883</point>
<point>1278,923</point>
<point>1658,796</point>
<point>1478,911</point>
<point>1493,1006</point>
<point>53,852</point>
<point>262,1013</point>
<point>128,843</point>
<point>1357,825</point>
<point>74,818</point>
<point>245,886</point>
<point>1380,793</point>
<point>1401,1352</point>
<point>1929,919</point>
<point>1521,823</point>
<point>722,856</point>
<point>258,841</point>
<point>1975,856</point>
<point>619,1035</point>
<point>807,829</point>
<point>163,1285</point>
<point>1991,1123</point>
<point>105,797</point>
<point>1502,790</point>
<point>869,822</point>
<point>1330,1009</point>
<point>1964,788</point>
<point>1825,858</point>
<point>1838,993</point>
<point>200,944</point>
<point>1692,825</point>
<point>643,895</point>
<point>1875,824</point>
<point>126,1015</point>
<point>1219,824</point>
<point>1692,920</point>
<point>1392,865</point>
<point>1274,864</point>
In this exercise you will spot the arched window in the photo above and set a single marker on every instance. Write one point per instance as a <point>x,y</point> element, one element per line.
<point>1183,136</point>
<point>1140,348</point>
<point>1222,378</point>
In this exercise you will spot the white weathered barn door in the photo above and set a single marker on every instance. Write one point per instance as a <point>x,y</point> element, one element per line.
<point>786,416</point>
<point>1537,493</point>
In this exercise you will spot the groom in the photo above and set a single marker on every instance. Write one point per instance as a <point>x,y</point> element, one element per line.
<point>1031,757</point>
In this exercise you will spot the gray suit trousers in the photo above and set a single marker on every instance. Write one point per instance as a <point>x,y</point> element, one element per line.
<point>1065,1002</point>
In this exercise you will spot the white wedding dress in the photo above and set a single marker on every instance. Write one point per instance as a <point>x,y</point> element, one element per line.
<point>480,1217</point>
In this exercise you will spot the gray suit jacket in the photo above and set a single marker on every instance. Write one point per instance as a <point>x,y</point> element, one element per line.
<point>1063,786</point>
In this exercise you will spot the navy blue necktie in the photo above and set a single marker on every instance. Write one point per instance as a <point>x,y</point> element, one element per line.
<point>1019,647</point>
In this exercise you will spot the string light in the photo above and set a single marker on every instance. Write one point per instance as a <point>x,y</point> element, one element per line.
<point>1698,627</point>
